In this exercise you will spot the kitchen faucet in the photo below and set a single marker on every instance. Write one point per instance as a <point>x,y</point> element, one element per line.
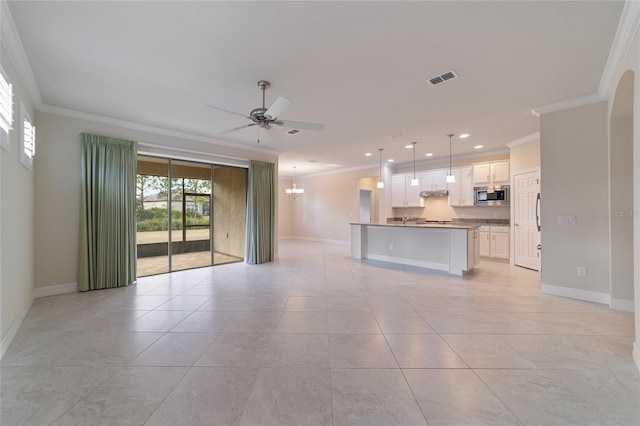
<point>404,220</point>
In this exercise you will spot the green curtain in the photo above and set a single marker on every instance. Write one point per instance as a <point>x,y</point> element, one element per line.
<point>260,212</point>
<point>107,253</point>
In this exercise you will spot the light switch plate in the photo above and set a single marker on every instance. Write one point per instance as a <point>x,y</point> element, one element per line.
<point>566,220</point>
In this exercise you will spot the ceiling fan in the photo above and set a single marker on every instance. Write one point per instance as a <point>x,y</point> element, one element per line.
<point>264,117</point>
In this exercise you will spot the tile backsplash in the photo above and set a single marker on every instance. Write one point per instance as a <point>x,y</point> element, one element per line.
<point>437,208</point>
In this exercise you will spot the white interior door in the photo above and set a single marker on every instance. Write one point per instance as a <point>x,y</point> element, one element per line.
<point>527,236</point>
<point>365,206</point>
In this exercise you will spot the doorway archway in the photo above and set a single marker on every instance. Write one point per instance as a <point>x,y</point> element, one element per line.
<point>621,210</point>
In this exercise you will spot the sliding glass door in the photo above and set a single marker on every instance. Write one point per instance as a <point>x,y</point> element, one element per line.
<point>190,204</point>
<point>186,208</point>
<point>152,215</point>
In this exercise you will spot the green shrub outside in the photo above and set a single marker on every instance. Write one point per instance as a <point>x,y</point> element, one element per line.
<point>156,219</point>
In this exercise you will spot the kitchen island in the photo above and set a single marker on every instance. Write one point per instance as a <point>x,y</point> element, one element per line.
<point>445,247</point>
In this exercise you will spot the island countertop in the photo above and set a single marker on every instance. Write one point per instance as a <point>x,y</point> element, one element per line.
<point>422,225</point>
<point>442,246</point>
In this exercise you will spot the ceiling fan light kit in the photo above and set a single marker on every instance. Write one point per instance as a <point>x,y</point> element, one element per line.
<point>264,117</point>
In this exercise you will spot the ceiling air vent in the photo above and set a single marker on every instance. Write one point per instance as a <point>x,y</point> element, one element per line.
<point>293,131</point>
<point>449,75</point>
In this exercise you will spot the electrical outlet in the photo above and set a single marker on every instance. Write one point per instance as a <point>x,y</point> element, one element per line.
<point>582,271</point>
<point>391,246</point>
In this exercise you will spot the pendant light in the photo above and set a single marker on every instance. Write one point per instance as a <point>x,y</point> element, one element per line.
<point>414,181</point>
<point>294,192</point>
<point>450,177</point>
<point>380,182</point>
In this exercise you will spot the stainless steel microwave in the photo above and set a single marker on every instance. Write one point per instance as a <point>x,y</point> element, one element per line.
<point>491,195</point>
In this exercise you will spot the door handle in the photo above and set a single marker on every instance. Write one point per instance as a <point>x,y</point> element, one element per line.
<point>537,211</point>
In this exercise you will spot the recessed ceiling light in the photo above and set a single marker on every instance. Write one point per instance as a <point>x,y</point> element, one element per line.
<point>334,165</point>
<point>368,154</point>
<point>464,135</point>
<point>390,160</point>
<point>408,146</point>
<point>313,161</point>
<point>429,154</point>
<point>479,146</point>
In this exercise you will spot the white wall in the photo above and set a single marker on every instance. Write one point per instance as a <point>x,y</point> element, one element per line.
<point>16,220</point>
<point>632,62</point>
<point>57,187</point>
<point>329,204</point>
<point>621,208</point>
<point>525,156</point>
<point>285,209</point>
<point>575,182</point>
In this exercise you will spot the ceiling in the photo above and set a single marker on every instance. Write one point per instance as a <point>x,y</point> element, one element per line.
<point>361,68</point>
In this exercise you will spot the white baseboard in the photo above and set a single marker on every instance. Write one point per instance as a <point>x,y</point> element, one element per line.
<point>576,293</point>
<point>286,237</point>
<point>636,354</point>
<point>409,262</point>
<point>622,305</point>
<point>15,325</point>
<point>54,290</point>
<point>323,240</point>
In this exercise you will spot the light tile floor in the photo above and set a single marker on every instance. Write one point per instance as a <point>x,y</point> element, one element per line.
<point>318,338</point>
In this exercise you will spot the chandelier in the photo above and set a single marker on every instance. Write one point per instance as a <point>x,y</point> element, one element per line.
<point>294,192</point>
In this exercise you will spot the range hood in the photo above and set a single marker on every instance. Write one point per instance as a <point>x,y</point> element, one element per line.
<point>434,193</point>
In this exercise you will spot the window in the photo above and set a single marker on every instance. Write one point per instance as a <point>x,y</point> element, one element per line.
<point>6,110</point>
<point>27,138</point>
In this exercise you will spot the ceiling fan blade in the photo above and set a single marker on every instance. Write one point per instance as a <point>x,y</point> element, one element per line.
<point>278,107</point>
<point>236,128</point>
<point>300,125</point>
<point>226,110</point>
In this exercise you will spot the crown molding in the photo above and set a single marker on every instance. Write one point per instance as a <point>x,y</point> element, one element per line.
<point>333,172</point>
<point>526,139</point>
<point>626,31</point>
<point>627,28</point>
<point>568,104</point>
<point>11,41</point>
<point>64,112</point>
<point>473,156</point>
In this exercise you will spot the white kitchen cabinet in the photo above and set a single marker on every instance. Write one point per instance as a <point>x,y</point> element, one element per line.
<point>484,235</point>
<point>500,242</point>
<point>403,194</point>
<point>461,191</point>
<point>481,174</point>
<point>472,248</point>
<point>494,173</point>
<point>433,180</point>
<point>494,242</point>
<point>500,173</point>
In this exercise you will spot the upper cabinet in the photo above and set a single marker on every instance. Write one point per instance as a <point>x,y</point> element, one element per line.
<point>403,194</point>
<point>494,173</point>
<point>433,180</point>
<point>461,191</point>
